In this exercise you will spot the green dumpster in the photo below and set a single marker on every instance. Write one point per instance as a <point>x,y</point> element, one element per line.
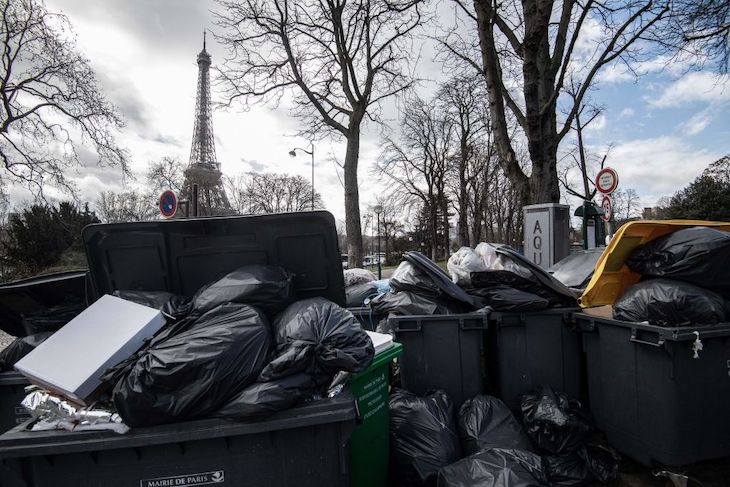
<point>369,443</point>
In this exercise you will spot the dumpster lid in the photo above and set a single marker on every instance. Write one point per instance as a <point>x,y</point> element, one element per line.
<point>20,442</point>
<point>181,255</point>
<point>612,275</point>
<point>37,294</point>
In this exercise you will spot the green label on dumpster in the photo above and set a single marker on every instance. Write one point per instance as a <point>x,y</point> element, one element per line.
<point>188,480</point>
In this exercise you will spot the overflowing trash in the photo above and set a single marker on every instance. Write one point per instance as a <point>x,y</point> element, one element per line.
<point>242,347</point>
<point>423,437</point>
<point>52,412</point>
<point>356,276</point>
<point>698,255</point>
<point>555,444</point>
<point>486,422</point>
<point>19,348</point>
<point>576,270</point>
<point>684,280</point>
<point>665,302</point>
<point>495,467</point>
<point>194,372</point>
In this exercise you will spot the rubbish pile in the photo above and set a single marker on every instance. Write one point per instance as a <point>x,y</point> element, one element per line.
<point>684,280</point>
<point>488,278</point>
<point>242,347</point>
<point>485,445</point>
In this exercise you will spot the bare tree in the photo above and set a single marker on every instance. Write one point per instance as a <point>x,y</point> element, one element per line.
<point>256,193</point>
<point>462,100</point>
<point>337,59</point>
<point>702,27</point>
<point>125,206</point>
<point>164,174</point>
<point>418,164</point>
<point>626,205</point>
<point>50,100</point>
<point>531,46</point>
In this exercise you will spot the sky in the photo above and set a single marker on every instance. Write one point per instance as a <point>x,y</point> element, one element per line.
<point>663,128</point>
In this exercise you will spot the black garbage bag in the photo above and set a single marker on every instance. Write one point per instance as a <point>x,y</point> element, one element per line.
<point>193,373</point>
<point>266,287</point>
<point>505,298</point>
<point>554,422</point>
<point>408,277</point>
<point>172,305</point>
<point>699,255</point>
<point>317,336</point>
<point>665,302</point>
<point>601,460</point>
<point>495,467</point>
<point>568,470</point>
<point>406,303</point>
<point>486,422</point>
<point>356,295</point>
<point>423,437</point>
<point>51,319</point>
<point>262,399</point>
<point>490,279</point>
<point>19,348</point>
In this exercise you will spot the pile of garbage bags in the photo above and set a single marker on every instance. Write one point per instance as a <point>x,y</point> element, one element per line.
<point>485,445</point>
<point>684,280</point>
<point>500,278</point>
<point>242,347</point>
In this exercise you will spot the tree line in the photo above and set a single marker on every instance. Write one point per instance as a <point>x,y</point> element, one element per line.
<point>531,67</point>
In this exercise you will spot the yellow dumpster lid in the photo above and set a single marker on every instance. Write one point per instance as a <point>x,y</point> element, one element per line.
<point>612,275</point>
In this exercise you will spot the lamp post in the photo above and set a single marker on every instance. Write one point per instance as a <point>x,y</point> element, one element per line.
<point>293,153</point>
<point>378,209</point>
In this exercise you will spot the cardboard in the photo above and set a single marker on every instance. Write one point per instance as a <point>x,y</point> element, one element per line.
<point>72,360</point>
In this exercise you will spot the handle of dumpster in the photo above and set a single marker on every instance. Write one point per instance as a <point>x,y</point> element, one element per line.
<point>659,343</point>
<point>358,416</point>
<point>480,323</point>
<point>407,324</point>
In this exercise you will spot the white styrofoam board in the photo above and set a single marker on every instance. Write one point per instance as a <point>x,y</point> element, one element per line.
<point>72,360</point>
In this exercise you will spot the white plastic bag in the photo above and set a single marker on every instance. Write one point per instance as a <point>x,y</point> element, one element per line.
<point>354,277</point>
<point>496,262</point>
<point>462,263</point>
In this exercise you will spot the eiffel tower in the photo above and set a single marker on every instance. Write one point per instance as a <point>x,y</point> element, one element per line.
<point>204,170</point>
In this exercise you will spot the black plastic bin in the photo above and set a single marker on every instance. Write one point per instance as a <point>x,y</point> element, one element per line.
<point>368,318</point>
<point>12,392</point>
<point>442,352</point>
<point>304,446</point>
<point>655,402</point>
<point>527,350</point>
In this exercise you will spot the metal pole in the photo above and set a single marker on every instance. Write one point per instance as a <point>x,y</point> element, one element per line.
<point>380,269</point>
<point>195,200</point>
<point>312,143</point>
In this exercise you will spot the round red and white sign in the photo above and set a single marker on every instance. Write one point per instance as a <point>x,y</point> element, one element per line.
<point>607,206</point>
<point>606,180</point>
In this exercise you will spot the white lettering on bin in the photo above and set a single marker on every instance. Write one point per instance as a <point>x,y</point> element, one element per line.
<point>187,480</point>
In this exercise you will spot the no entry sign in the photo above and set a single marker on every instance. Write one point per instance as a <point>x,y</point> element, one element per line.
<point>606,180</point>
<point>168,203</point>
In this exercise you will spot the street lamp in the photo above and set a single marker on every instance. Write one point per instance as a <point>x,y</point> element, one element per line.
<point>293,153</point>
<point>378,209</point>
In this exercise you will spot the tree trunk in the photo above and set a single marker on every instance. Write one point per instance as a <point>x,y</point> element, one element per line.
<point>352,201</point>
<point>445,216</point>
<point>540,116</point>
<point>493,77</point>
<point>463,195</point>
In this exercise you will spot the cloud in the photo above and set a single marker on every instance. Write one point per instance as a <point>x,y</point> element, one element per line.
<point>698,87</point>
<point>697,123</point>
<point>627,112</point>
<point>659,166</point>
